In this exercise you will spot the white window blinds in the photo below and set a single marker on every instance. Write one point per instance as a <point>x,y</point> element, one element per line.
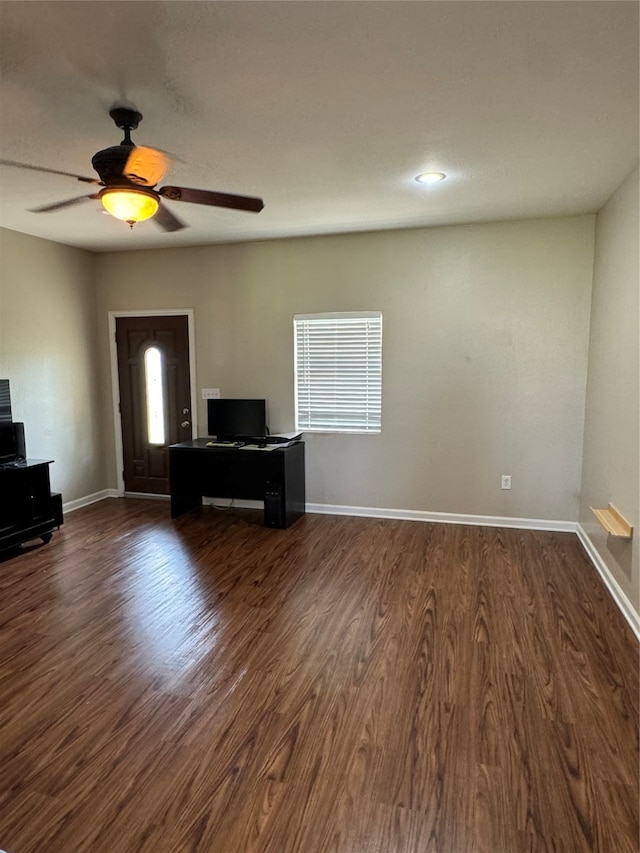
<point>338,372</point>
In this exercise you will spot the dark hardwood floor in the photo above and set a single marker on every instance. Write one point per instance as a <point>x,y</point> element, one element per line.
<point>348,685</point>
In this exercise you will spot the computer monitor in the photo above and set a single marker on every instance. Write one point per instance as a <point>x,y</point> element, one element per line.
<point>230,420</point>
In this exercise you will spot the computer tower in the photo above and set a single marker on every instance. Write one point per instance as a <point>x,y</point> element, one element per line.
<point>273,506</point>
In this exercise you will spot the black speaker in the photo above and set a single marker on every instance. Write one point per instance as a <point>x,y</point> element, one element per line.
<point>273,506</point>
<point>19,440</point>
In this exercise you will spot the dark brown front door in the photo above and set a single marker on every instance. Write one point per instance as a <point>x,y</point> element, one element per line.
<point>155,397</point>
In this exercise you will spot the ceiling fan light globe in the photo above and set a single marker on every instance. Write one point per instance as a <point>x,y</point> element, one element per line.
<point>129,205</point>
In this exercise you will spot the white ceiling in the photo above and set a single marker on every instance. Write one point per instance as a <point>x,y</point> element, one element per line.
<point>327,110</point>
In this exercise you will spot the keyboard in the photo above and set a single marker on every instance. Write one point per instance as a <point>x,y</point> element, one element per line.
<point>221,444</point>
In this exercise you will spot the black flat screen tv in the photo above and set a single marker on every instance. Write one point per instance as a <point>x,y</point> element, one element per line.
<point>233,420</point>
<point>8,449</point>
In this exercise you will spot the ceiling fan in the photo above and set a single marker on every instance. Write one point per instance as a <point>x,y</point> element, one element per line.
<point>128,176</point>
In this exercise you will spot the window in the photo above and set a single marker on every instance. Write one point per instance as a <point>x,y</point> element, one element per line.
<point>338,372</point>
<point>154,395</point>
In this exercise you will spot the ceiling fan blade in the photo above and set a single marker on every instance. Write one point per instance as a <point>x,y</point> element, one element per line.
<point>49,171</point>
<point>236,202</point>
<point>166,219</point>
<point>146,166</point>
<point>58,205</point>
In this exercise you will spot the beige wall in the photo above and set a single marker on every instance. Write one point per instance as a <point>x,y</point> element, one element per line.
<point>48,351</point>
<point>484,353</point>
<point>486,333</point>
<point>612,441</point>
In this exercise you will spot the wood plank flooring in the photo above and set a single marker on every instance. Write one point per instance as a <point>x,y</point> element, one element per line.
<point>349,685</point>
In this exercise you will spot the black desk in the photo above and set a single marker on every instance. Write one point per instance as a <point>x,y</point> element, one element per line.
<point>273,476</point>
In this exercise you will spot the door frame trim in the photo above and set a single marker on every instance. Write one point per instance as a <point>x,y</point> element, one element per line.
<point>115,386</point>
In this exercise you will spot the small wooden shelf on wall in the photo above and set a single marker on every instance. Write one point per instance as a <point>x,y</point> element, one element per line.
<point>613,522</point>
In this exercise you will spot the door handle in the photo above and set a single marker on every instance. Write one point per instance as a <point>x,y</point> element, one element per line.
<point>185,424</point>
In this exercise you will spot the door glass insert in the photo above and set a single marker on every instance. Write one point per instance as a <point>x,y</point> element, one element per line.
<point>155,395</point>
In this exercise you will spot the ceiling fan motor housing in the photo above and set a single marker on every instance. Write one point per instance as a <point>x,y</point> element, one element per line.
<point>110,164</point>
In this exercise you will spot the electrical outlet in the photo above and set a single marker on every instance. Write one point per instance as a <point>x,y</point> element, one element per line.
<point>505,481</point>
<point>207,394</point>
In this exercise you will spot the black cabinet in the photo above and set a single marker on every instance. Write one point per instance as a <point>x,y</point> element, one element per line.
<point>28,509</point>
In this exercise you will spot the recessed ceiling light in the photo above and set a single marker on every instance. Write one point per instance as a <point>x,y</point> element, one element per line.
<point>431,177</point>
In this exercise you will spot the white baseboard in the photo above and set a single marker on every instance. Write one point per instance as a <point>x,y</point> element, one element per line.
<point>70,506</point>
<point>145,495</point>
<point>617,593</point>
<point>445,517</point>
<point>359,511</point>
